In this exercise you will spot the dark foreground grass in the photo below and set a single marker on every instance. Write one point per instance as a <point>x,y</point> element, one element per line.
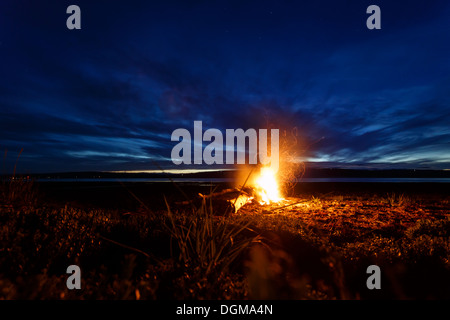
<point>319,248</point>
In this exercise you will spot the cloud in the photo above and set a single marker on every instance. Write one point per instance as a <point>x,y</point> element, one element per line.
<point>111,95</point>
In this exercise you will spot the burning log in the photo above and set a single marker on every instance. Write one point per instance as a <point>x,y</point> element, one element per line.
<point>264,190</point>
<point>226,201</point>
<point>229,200</point>
<point>240,201</point>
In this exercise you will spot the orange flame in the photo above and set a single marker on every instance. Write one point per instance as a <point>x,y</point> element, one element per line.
<point>267,186</point>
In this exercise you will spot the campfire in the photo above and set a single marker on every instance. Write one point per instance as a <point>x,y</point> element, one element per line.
<point>261,188</point>
<point>266,186</point>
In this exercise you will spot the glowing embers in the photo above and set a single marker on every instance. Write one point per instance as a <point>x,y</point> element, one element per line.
<point>266,186</point>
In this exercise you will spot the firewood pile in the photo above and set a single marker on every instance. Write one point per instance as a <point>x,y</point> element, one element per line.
<point>226,201</point>
<point>239,200</point>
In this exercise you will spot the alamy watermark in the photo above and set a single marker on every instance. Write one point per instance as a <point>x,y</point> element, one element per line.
<point>73,22</point>
<point>374,280</point>
<point>235,144</point>
<point>74,280</point>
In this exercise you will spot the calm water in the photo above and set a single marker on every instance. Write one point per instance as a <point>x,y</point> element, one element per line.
<point>218,180</point>
<point>189,180</point>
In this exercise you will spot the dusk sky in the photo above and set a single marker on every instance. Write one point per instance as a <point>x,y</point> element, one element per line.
<point>108,96</point>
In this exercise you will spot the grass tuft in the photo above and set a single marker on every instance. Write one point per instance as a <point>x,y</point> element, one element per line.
<point>397,200</point>
<point>209,242</point>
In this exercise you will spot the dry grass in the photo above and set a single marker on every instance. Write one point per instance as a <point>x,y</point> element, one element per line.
<point>304,248</point>
<point>209,242</point>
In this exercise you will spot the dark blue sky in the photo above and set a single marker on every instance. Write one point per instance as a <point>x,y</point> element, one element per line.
<point>108,96</point>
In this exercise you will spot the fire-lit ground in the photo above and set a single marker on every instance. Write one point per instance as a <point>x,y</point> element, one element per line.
<point>353,216</point>
<point>338,236</point>
<point>315,243</point>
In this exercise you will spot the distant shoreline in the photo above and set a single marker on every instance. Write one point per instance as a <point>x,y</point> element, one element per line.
<point>230,180</point>
<point>312,173</point>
